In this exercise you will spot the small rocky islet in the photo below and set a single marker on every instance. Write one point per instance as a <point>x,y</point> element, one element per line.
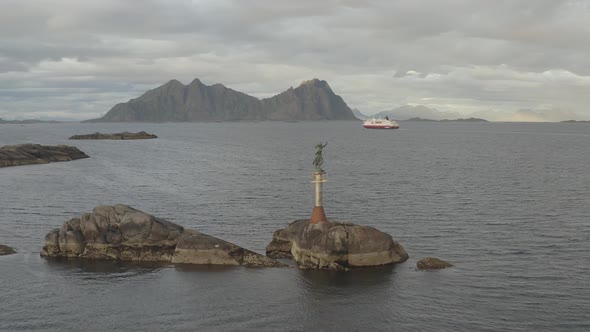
<point>121,232</point>
<point>31,154</point>
<point>6,250</point>
<point>116,136</point>
<point>432,263</point>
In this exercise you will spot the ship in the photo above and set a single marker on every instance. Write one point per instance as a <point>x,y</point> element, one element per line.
<point>380,124</point>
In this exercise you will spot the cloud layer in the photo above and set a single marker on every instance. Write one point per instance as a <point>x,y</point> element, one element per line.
<point>76,59</point>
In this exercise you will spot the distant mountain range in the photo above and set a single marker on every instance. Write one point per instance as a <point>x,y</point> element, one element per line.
<point>521,115</point>
<point>359,115</point>
<point>176,102</point>
<point>575,121</point>
<point>447,120</point>
<point>407,112</point>
<point>417,113</point>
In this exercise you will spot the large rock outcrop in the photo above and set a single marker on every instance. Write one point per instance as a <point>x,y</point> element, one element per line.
<point>6,250</point>
<point>116,136</point>
<point>122,233</point>
<point>335,246</point>
<point>28,154</point>
<point>174,101</point>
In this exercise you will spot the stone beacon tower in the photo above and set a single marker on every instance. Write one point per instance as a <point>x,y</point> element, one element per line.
<point>319,177</point>
<point>318,243</point>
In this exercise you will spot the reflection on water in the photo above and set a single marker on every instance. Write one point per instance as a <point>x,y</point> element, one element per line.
<point>205,268</point>
<point>102,268</point>
<point>362,278</point>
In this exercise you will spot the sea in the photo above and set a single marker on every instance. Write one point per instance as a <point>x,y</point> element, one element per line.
<point>508,204</point>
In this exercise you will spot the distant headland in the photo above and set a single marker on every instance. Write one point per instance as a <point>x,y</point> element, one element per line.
<point>27,121</point>
<point>197,102</point>
<point>418,113</point>
<point>576,121</point>
<point>447,120</point>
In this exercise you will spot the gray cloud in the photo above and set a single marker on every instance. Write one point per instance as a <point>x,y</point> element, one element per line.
<point>77,59</point>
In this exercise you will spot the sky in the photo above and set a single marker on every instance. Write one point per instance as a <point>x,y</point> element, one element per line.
<point>502,60</point>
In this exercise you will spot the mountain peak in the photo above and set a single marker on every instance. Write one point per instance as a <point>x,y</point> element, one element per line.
<point>314,82</point>
<point>174,82</point>
<point>196,81</point>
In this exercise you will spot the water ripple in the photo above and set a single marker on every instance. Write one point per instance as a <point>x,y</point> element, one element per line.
<point>486,197</point>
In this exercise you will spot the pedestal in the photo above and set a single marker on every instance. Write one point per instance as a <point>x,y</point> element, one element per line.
<point>318,214</point>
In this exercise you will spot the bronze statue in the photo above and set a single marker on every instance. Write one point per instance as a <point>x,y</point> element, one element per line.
<point>319,160</point>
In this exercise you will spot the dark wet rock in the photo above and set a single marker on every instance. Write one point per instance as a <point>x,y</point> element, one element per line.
<point>122,233</point>
<point>335,246</point>
<point>6,250</point>
<point>117,136</point>
<point>29,154</point>
<point>431,263</point>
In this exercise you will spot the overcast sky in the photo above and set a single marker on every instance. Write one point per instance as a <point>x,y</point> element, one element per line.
<point>76,59</point>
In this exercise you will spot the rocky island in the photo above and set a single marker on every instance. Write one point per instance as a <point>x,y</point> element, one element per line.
<point>320,243</point>
<point>122,233</point>
<point>197,102</point>
<point>333,245</point>
<point>29,154</point>
<point>117,136</point>
<point>6,250</point>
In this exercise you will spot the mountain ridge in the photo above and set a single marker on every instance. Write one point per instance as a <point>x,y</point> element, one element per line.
<point>197,102</point>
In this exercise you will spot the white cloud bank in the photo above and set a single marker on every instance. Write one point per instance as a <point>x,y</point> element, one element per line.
<point>76,59</point>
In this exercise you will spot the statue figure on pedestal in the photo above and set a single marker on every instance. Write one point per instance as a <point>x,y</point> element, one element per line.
<point>319,160</point>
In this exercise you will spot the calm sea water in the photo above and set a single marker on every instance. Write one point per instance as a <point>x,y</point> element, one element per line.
<point>507,203</point>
